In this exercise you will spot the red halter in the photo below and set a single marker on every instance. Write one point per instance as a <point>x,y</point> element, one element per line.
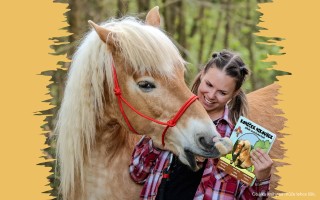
<point>172,122</point>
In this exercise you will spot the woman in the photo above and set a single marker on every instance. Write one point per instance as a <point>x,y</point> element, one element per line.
<point>218,87</point>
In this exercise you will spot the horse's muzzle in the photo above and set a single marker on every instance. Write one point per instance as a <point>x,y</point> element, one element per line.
<point>215,145</point>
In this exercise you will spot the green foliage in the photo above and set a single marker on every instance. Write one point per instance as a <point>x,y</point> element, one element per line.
<point>250,169</point>
<point>211,33</point>
<point>263,145</point>
<point>229,156</point>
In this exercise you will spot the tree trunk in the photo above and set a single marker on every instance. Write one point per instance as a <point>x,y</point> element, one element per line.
<point>169,16</point>
<point>250,46</point>
<point>215,33</point>
<point>202,32</point>
<point>181,27</point>
<point>143,5</point>
<point>227,24</point>
<point>122,8</point>
<point>196,21</point>
<point>76,19</point>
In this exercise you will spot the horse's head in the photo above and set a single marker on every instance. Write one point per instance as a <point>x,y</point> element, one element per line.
<point>239,147</point>
<point>247,145</point>
<point>150,73</point>
<point>244,156</point>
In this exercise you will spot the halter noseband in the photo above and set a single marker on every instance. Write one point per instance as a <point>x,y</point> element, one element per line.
<point>171,123</point>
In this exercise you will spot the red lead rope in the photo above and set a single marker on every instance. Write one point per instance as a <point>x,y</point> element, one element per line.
<point>172,122</point>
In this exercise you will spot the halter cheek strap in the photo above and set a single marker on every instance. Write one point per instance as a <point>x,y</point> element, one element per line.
<point>171,123</point>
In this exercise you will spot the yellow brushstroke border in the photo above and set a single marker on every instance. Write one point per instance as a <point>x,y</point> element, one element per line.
<point>296,22</point>
<point>26,27</point>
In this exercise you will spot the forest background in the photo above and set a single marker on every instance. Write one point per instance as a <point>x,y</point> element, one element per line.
<point>197,27</point>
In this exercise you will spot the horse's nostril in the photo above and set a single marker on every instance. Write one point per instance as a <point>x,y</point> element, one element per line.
<point>202,140</point>
<point>206,144</point>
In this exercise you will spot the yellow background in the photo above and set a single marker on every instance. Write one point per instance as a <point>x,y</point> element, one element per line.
<point>24,50</point>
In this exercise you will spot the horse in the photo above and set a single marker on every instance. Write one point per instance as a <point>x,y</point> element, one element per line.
<point>262,111</point>
<point>237,150</point>
<point>127,76</point>
<point>241,154</point>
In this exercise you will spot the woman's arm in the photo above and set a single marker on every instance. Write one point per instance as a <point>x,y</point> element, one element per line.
<point>258,191</point>
<point>143,160</point>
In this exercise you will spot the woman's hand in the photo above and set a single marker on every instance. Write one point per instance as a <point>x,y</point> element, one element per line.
<point>262,164</point>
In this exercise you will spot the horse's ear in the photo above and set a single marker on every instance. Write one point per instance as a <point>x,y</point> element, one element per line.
<point>102,32</point>
<point>153,17</point>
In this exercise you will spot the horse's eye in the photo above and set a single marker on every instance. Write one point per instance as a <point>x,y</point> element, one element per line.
<point>146,86</point>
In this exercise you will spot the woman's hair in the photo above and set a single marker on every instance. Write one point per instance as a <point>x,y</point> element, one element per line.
<point>233,66</point>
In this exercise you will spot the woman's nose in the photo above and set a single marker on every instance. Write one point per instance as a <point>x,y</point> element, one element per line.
<point>212,94</point>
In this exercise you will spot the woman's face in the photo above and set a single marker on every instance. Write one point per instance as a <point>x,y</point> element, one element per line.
<point>215,90</point>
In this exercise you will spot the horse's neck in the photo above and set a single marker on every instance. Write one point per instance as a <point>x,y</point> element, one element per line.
<point>108,170</point>
<point>113,141</point>
<point>112,138</point>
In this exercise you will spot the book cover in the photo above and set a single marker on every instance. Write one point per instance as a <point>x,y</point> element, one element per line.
<point>246,136</point>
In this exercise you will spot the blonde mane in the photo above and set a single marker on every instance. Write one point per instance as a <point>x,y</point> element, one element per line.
<point>83,103</point>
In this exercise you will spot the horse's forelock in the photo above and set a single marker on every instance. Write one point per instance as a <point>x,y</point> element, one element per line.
<point>146,48</point>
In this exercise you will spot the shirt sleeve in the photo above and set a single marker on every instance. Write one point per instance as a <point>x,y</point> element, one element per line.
<point>143,160</point>
<point>259,190</point>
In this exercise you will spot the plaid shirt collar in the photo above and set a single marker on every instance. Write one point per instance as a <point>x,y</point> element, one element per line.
<point>223,124</point>
<point>225,117</point>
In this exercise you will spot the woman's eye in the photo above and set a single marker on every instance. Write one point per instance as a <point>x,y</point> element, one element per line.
<point>222,93</point>
<point>209,84</point>
<point>146,86</point>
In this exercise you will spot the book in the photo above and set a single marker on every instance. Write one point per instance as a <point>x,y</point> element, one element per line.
<point>246,136</point>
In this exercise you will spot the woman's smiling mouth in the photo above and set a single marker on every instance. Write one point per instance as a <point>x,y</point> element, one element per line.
<point>208,101</point>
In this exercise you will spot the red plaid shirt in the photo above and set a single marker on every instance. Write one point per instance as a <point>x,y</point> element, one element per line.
<point>148,163</point>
